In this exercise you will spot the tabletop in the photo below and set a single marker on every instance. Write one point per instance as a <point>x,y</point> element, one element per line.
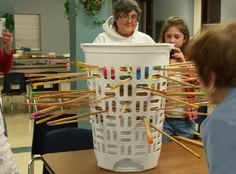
<point>173,160</point>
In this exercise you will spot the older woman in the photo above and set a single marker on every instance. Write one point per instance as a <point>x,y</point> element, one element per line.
<point>122,27</point>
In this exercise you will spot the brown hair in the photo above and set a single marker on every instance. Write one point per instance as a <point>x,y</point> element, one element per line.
<point>213,51</point>
<point>176,22</point>
<point>125,6</point>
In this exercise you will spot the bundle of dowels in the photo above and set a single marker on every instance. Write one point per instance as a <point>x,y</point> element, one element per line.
<point>182,92</point>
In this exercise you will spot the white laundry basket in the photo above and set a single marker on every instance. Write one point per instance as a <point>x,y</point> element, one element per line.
<point>120,140</point>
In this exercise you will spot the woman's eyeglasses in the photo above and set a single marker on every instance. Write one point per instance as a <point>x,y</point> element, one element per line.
<point>127,17</point>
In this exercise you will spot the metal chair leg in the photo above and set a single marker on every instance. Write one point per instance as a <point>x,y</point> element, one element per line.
<point>31,164</point>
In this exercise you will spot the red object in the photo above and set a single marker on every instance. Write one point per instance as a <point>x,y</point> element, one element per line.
<point>112,73</point>
<point>5,61</point>
<point>105,72</point>
<point>192,112</point>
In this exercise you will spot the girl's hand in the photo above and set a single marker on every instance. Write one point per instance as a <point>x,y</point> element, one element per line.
<point>178,55</point>
<point>7,40</point>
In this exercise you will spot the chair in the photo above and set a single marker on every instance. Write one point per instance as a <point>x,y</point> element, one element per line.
<point>14,84</point>
<point>43,88</point>
<point>54,87</point>
<point>67,139</point>
<point>39,132</point>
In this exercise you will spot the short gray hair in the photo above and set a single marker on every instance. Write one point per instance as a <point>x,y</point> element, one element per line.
<point>125,6</point>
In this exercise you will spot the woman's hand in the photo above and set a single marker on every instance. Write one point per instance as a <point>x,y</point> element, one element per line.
<point>7,40</point>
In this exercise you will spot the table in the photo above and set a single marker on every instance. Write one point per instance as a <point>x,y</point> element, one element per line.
<point>173,160</point>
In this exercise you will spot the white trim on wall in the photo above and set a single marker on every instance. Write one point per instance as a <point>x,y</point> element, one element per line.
<point>197,16</point>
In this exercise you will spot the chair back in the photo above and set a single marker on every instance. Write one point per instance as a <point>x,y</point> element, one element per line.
<point>13,80</point>
<point>40,131</point>
<point>68,139</point>
<point>53,87</point>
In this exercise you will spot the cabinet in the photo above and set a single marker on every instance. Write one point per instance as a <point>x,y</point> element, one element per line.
<point>41,64</point>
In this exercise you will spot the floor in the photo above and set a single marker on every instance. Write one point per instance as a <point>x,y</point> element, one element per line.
<point>20,131</point>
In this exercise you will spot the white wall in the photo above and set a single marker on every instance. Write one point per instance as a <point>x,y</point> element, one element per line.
<point>228,10</point>
<point>182,8</point>
<point>54,26</point>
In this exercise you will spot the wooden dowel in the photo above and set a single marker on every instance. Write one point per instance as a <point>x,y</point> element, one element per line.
<point>197,134</point>
<point>57,114</point>
<point>57,76</point>
<point>194,142</point>
<point>122,82</point>
<point>43,111</point>
<point>76,100</point>
<point>185,93</point>
<point>68,122</point>
<point>147,128</point>
<point>123,108</point>
<point>80,64</point>
<point>170,98</point>
<point>176,141</point>
<point>64,81</point>
<point>181,63</point>
<point>62,95</point>
<point>76,117</point>
<point>184,112</point>
<point>174,80</point>
<point>63,92</point>
<point>91,68</point>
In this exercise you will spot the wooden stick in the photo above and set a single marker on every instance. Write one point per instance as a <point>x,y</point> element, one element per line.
<point>78,99</point>
<point>197,134</point>
<point>57,76</point>
<point>63,92</point>
<point>174,80</point>
<point>194,142</point>
<point>123,108</point>
<point>91,68</point>
<point>185,93</point>
<point>68,122</point>
<point>147,128</point>
<point>80,64</point>
<point>99,99</point>
<point>184,112</point>
<point>176,141</point>
<point>76,117</point>
<point>170,98</point>
<point>181,63</point>
<point>44,111</point>
<point>57,114</point>
<point>122,82</point>
<point>64,81</point>
<point>61,95</point>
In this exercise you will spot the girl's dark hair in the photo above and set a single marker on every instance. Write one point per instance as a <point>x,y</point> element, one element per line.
<point>176,22</point>
<point>125,6</point>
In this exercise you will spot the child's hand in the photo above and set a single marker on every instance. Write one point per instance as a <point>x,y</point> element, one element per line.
<point>7,40</point>
<point>178,56</point>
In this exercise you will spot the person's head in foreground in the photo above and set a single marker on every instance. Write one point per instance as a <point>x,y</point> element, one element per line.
<point>126,15</point>
<point>214,54</point>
